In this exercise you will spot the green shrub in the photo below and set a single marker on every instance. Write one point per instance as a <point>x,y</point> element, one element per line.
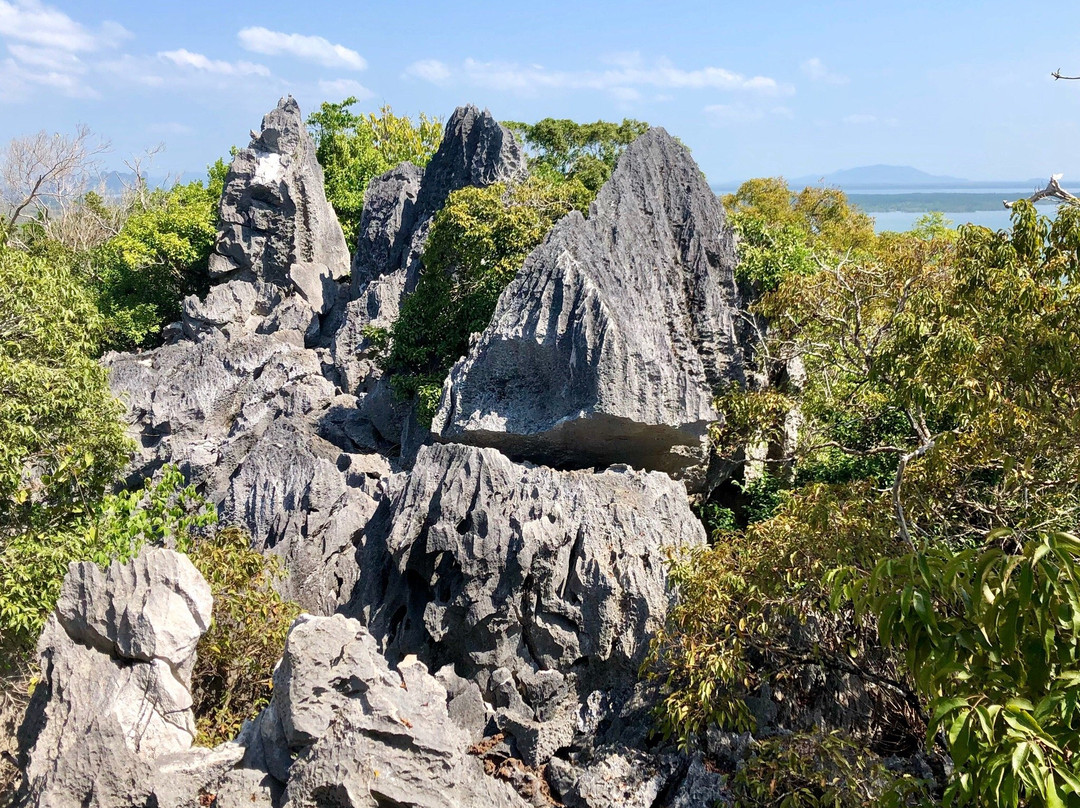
<point>477,243</point>
<point>33,563</point>
<point>353,149</point>
<point>730,631</point>
<point>61,438</point>
<point>160,256</point>
<point>821,770</point>
<point>991,636</point>
<point>235,658</point>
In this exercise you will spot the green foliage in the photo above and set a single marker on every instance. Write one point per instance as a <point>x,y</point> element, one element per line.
<point>33,563</point>
<point>730,630</point>
<point>61,438</point>
<point>586,152</point>
<point>235,658</point>
<point>477,243</point>
<point>353,149</point>
<point>940,404</point>
<point>821,770</point>
<point>784,234</point>
<point>159,256</point>
<point>991,636</point>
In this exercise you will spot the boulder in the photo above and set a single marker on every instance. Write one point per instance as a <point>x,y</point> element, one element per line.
<point>114,700</point>
<point>539,585</point>
<point>612,341</point>
<point>348,730</point>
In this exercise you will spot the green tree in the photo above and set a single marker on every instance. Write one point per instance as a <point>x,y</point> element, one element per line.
<point>786,233</point>
<point>478,241</point>
<point>61,438</point>
<point>564,149</point>
<point>940,405</point>
<point>353,149</point>
<point>160,256</point>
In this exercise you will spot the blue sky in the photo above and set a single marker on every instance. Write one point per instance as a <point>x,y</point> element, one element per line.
<point>754,89</point>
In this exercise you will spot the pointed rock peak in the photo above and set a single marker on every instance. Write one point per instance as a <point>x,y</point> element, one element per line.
<point>282,128</point>
<point>475,150</point>
<point>276,223</point>
<point>609,344</point>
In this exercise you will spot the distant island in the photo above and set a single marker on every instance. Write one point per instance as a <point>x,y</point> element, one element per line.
<point>887,188</point>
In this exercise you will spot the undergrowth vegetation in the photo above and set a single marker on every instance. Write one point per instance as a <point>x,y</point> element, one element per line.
<point>915,429</point>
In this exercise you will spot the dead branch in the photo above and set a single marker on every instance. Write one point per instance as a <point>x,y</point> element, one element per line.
<point>1057,75</point>
<point>1052,189</point>
<point>42,173</point>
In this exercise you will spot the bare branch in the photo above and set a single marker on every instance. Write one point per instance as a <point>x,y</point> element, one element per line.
<point>43,172</point>
<point>1052,189</point>
<point>1057,75</point>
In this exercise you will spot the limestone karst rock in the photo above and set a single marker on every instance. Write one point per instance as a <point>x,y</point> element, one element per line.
<point>244,402</point>
<point>277,226</point>
<point>114,701</point>
<point>344,729</point>
<point>398,210</point>
<point>541,586</point>
<point>610,343</point>
<point>530,592</point>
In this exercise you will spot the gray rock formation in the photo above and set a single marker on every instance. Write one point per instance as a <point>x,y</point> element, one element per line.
<point>398,208</point>
<point>277,226</point>
<point>348,731</point>
<point>541,586</point>
<point>609,344</point>
<point>245,402</point>
<point>114,703</point>
<point>256,425</point>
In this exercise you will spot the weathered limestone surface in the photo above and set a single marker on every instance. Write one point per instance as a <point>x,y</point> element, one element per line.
<point>610,343</point>
<point>531,592</point>
<point>539,585</point>
<point>114,700</point>
<point>351,732</point>
<point>276,223</point>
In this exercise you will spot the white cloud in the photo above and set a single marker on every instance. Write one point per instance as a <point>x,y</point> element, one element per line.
<point>815,70</point>
<point>309,48</point>
<point>197,61</point>
<point>18,81</point>
<point>626,72</point>
<point>860,118</point>
<point>46,49</point>
<point>343,88</point>
<point>429,70</point>
<point>50,58</point>
<point>33,22</point>
<point>731,114</point>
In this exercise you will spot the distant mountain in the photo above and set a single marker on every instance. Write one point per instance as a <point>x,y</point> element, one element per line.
<point>886,177</point>
<point>878,176</point>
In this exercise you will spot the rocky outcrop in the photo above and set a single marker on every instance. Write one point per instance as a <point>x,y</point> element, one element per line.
<point>345,729</point>
<point>541,586</point>
<point>276,225</point>
<point>246,400</point>
<point>114,704</point>
<point>398,209</point>
<point>609,345</point>
<point>265,435</point>
<point>530,592</point>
